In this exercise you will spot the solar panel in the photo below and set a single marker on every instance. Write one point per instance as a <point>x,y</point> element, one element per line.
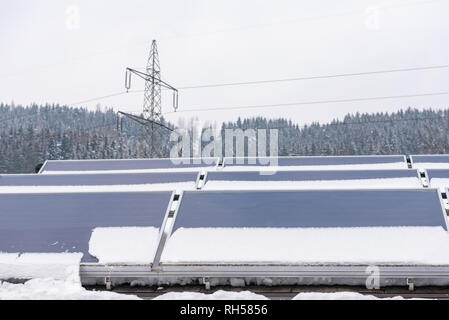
<point>427,160</point>
<point>310,175</point>
<point>438,178</point>
<point>96,179</point>
<point>317,161</point>
<point>64,222</point>
<point>438,173</point>
<point>310,209</point>
<point>129,164</point>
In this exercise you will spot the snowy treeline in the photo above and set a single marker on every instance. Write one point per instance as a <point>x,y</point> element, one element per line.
<point>30,135</point>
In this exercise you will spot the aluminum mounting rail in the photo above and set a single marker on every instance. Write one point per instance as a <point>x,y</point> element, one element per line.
<point>301,274</point>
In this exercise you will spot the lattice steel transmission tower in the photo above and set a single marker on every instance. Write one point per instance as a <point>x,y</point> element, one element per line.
<point>152,108</point>
<point>152,103</point>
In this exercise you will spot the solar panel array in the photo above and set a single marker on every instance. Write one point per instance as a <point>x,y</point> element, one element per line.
<point>394,195</point>
<point>393,162</point>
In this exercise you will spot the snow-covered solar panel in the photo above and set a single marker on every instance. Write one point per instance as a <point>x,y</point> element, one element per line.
<point>398,161</point>
<point>310,209</point>
<point>318,179</point>
<point>438,178</point>
<point>48,223</point>
<point>128,164</point>
<point>438,173</point>
<point>96,179</point>
<point>430,161</point>
<point>405,227</point>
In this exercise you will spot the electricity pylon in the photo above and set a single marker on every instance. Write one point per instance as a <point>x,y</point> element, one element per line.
<point>152,107</point>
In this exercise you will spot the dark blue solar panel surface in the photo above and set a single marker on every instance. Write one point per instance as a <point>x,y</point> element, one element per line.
<point>314,161</point>
<point>133,164</point>
<point>64,222</point>
<point>311,175</point>
<point>95,179</point>
<point>289,209</point>
<point>438,173</point>
<point>434,158</point>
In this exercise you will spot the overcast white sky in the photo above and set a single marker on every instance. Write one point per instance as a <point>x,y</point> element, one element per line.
<point>47,55</point>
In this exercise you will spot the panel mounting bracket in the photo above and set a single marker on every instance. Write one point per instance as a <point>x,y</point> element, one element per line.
<point>206,282</point>
<point>409,161</point>
<point>410,284</point>
<point>201,180</point>
<point>220,163</point>
<point>424,179</point>
<point>167,228</point>
<point>108,283</point>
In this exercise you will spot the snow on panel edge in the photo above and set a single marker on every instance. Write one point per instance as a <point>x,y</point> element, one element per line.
<point>136,245</point>
<point>40,265</point>
<point>371,245</point>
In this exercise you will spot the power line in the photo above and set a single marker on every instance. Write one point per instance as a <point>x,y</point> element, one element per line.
<point>144,121</point>
<point>337,123</point>
<point>312,102</point>
<point>330,76</point>
<point>313,77</point>
<point>279,104</point>
<point>98,98</point>
<point>216,85</point>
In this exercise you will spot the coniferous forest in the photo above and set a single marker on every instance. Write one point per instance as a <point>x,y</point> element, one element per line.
<point>29,135</point>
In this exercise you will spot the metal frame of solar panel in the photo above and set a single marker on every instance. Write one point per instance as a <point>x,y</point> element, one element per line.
<point>311,175</point>
<point>315,160</point>
<point>49,222</point>
<point>96,179</point>
<point>127,164</point>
